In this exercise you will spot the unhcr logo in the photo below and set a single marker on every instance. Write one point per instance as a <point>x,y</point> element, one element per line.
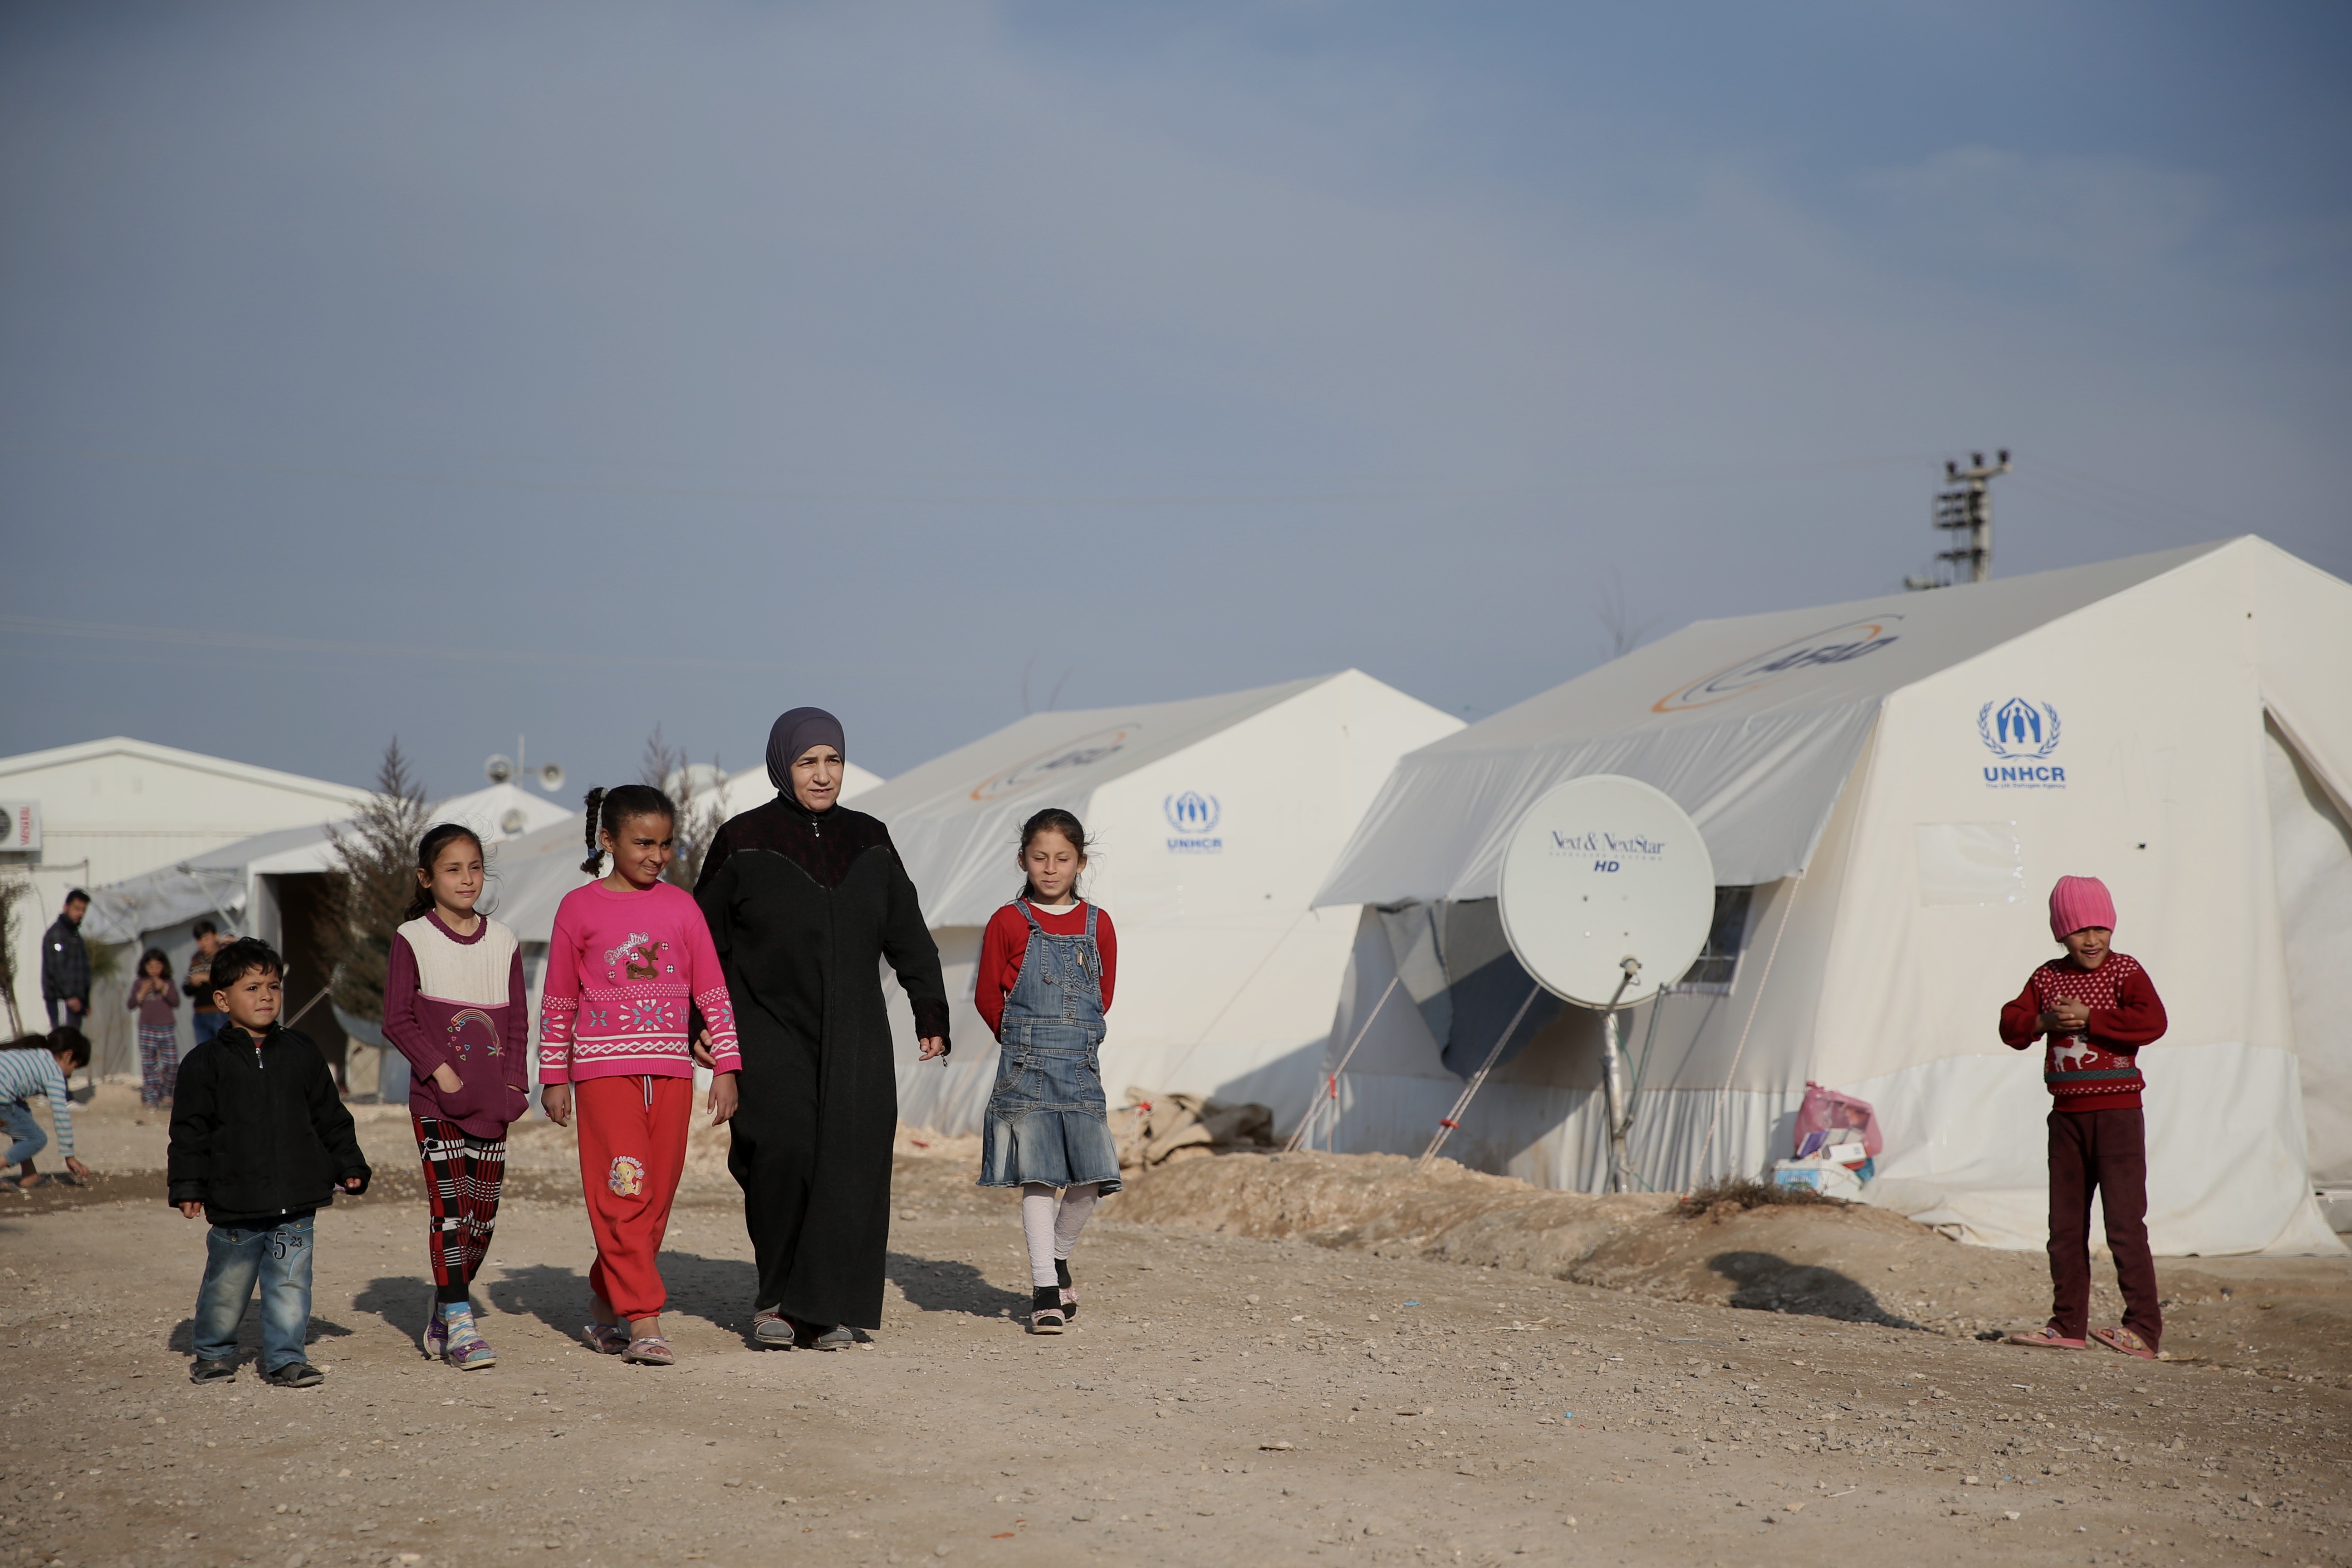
<point>2023,735</point>
<point>1195,816</point>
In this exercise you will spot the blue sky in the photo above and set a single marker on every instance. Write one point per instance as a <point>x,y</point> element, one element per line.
<point>451,371</point>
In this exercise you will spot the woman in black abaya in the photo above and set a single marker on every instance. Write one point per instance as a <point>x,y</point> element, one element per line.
<point>805,898</point>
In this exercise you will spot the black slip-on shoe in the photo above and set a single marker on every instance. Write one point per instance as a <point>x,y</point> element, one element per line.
<point>213,1372</point>
<point>295,1375</point>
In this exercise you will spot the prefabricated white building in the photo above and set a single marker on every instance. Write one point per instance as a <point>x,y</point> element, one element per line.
<point>1216,818</point>
<point>117,807</point>
<point>268,885</point>
<point>1887,789</point>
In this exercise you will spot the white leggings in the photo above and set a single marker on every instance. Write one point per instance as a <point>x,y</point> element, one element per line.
<point>1051,1227</point>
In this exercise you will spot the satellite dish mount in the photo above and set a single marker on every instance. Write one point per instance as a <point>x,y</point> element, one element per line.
<point>1606,895</point>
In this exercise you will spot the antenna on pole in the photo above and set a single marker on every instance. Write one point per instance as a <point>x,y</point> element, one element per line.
<point>1964,513</point>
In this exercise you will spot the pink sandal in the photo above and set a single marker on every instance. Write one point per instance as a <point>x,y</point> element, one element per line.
<point>606,1338</point>
<point>2128,1342</point>
<point>2046,1338</point>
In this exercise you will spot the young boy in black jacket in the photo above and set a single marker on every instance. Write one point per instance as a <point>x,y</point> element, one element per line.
<point>259,1142</point>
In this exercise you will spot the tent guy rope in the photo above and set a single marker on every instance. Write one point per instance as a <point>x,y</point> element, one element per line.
<point>1306,1122</point>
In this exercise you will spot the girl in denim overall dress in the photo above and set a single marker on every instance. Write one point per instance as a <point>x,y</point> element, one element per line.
<point>1047,964</point>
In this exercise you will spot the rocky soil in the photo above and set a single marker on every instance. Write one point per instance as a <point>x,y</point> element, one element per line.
<point>1339,1387</point>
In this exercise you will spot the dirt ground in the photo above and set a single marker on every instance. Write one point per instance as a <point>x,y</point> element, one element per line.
<point>1352,1379</point>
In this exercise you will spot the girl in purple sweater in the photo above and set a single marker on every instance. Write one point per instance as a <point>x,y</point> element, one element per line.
<point>156,999</point>
<point>454,1004</point>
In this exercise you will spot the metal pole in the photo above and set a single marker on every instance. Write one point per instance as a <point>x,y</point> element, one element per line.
<point>1612,1070</point>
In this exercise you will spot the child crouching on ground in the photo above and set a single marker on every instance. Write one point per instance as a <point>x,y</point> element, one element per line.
<point>2097,1008</point>
<point>39,1065</point>
<point>260,1141</point>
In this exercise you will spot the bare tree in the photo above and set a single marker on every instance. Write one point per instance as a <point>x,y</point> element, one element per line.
<point>14,890</point>
<point>369,888</point>
<point>1614,611</point>
<point>701,809</point>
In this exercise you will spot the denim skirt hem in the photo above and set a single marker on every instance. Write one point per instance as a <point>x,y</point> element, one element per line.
<point>1059,1148</point>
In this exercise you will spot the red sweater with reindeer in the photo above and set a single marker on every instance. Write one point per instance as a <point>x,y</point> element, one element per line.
<point>626,971</point>
<point>2099,1068</point>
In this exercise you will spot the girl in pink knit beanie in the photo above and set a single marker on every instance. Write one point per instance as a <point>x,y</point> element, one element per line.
<point>2095,1009</point>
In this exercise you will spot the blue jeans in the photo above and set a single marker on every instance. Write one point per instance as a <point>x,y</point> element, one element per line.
<point>26,1138</point>
<point>207,1025</point>
<point>235,1259</point>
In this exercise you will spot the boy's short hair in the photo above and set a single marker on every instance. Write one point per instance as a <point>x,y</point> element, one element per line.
<point>205,928</point>
<point>76,895</point>
<point>241,958</point>
<point>71,1044</point>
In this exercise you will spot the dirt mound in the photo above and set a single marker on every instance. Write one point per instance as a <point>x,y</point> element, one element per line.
<point>1827,1260</point>
<point>1381,1204</point>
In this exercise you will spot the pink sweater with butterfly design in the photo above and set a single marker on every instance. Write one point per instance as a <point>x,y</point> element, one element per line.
<point>626,973</point>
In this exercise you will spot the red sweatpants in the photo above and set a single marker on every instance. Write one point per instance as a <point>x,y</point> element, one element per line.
<point>632,1152</point>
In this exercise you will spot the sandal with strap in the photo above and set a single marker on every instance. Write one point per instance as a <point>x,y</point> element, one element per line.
<point>2128,1342</point>
<point>2046,1338</point>
<point>1046,1313</point>
<point>605,1339</point>
<point>651,1351</point>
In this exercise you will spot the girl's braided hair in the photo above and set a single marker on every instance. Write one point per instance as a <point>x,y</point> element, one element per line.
<point>609,808</point>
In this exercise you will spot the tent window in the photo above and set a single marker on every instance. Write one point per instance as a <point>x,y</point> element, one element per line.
<point>1727,937</point>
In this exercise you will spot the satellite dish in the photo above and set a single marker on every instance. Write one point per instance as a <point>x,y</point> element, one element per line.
<point>1603,869</point>
<point>550,776</point>
<point>499,769</point>
<point>513,822</point>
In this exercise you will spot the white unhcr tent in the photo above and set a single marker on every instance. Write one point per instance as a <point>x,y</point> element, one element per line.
<point>1888,789</point>
<point>1216,818</point>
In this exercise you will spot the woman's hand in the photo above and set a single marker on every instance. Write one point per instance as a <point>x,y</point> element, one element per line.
<point>700,1047</point>
<point>445,1078</point>
<point>931,1046</point>
<point>556,1098</point>
<point>722,1097</point>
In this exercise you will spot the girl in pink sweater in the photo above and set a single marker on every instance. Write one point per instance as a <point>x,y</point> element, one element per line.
<point>630,964</point>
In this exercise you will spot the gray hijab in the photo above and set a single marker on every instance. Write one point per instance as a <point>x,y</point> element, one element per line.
<point>790,737</point>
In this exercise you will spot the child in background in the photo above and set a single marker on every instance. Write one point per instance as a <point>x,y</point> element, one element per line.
<point>39,1065</point>
<point>157,1002</point>
<point>2097,1008</point>
<point>204,1018</point>
<point>1048,964</point>
<point>453,1005</point>
<point>630,961</point>
<point>260,1143</point>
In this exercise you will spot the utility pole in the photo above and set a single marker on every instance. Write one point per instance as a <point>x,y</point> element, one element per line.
<point>1964,511</point>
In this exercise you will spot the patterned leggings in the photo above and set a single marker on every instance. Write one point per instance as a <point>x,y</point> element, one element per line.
<point>462,1175</point>
<point>159,1063</point>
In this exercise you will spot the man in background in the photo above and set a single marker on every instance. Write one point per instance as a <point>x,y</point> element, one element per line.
<point>65,966</point>
<point>204,1017</point>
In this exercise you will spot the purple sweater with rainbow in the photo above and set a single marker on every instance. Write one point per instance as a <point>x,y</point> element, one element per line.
<point>459,1001</point>
<point>626,973</point>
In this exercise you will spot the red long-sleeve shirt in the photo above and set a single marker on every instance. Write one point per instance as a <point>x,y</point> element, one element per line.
<point>1005,943</point>
<point>2099,1068</point>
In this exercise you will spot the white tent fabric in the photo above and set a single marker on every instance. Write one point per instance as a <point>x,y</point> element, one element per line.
<point>223,882</point>
<point>529,874</point>
<point>1215,819</point>
<point>1901,780</point>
